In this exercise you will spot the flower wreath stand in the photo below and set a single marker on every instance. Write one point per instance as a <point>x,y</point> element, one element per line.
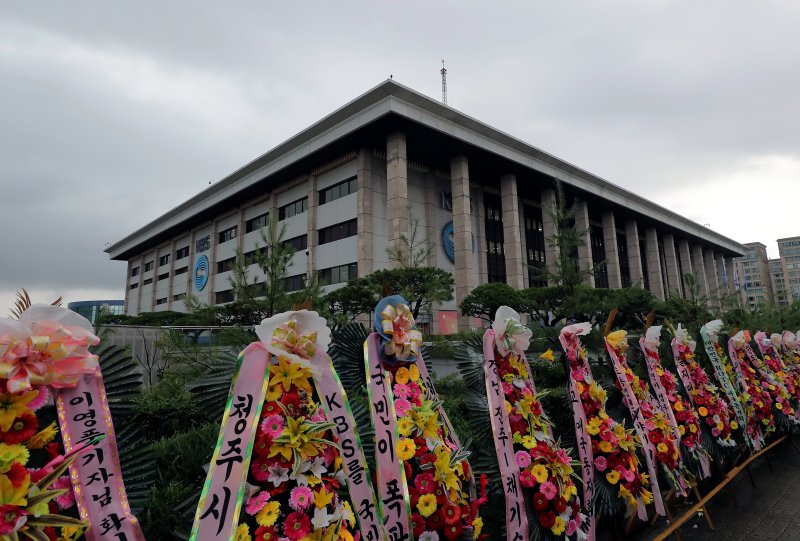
<point>536,472</point>
<point>790,351</point>
<point>288,451</point>
<point>425,483</point>
<point>768,347</point>
<point>609,465</point>
<point>46,352</point>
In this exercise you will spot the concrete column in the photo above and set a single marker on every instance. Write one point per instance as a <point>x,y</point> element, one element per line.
<point>512,232</point>
<point>549,227</point>
<point>480,237</point>
<point>432,231</point>
<point>654,263</point>
<point>686,262</point>
<point>731,286</point>
<point>128,286</point>
<point>634,256</point>
<point>612,250</point>
<point>699,267</point>
<point>211,287</point>
<point>312,238</point>
<point>585,249</point>
<point>364,218</point>
<point>462,233</point>
<point>711,271</point>
<point>523,244</point>
<point>396,191</point>
<point>673,271</point>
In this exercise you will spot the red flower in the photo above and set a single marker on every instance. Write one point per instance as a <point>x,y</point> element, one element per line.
<point>266,533</point>
<point>560,505</point>
<point>425,483</point>
<point>434,522</point>
<point>527,479</point>
<point>547,519</point>
<point>10,516</point>
<point>22,429</point>
<point>540,502</point>
<point>450,513</point>
<point>291,399</point>
<point>454,531</point>
<point>296,526</point>
<point>16,474</point>
<point>417,524</point>
<point>260,469</point>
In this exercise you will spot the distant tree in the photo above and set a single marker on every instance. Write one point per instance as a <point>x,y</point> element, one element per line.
<point>483,301</point>
<point>414,249</point>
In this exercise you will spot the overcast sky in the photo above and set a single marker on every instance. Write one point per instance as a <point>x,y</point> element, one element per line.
<point>110,115</point>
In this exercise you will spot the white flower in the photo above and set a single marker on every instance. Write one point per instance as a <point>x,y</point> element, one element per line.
<point>510,334</point>
<point>278,475</point>
<point>321,518</point>
<point>738,340</point>
<point>577,329</point>
<point>712,329</point>
<point>682,336</point>
<point>340,476</point>
<point>307,322</point>
<point>429,536</point>
<point>776,339</point>
<point>343,514</point>
<point>318,467</point>
<point>789,340</point>
<point>652,337</point>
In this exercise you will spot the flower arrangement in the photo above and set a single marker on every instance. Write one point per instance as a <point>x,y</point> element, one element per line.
<point>790,351</point>
<point>434,465</point>
<point>545,470</point>
<point>613,447</point>
<point>684,419</point>
<point>786,379</point>
<point>657,430</point>
<point>714,412</point>
<point>296,477</point>
<point>755,393</point>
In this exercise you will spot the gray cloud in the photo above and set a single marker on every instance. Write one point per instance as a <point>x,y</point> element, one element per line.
<point>111,116</point>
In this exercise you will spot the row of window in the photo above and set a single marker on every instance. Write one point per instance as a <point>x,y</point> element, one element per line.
<point>337,191</point>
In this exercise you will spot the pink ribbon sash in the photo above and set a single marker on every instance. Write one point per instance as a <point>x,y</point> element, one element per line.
<point>392,488</point>
<point>337,410</point>
<point>83,414</point>
<point>223,493</point>
<point>516,516</point>
<point>630,400</point>
<point>756,441</point>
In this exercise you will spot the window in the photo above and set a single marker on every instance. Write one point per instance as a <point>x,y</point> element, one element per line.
<point>337,191</point>
<point>163,260</point>
<point>298,243</point>
<point>163,276</point>
<point>179,297</point>
<point>162,300</point>
<point>225,265</point>
<point>597,242</point>
<point>134,272</point>
<point>254,224</point>
<point>495,258</point>
<point>228,234</point>
<point>624,262</point>
<point>224,296</point>
<point>494,214</point>
<point>134,286</point>
<point>338,231</point>
<point>250,257</point>
<point>535,243</point>
<point>148,281</point>
<point>292,209</point>
<point>148,266</point>
<point>338,275</point>
<point>294,283</point>
<point>183,252</point>
<point>182,270</point>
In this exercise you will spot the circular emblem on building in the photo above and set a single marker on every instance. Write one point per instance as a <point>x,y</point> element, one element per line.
<point>448,243</point>
<point>201,272</point>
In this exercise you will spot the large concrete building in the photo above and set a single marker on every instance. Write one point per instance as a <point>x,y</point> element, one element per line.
<point>753,271</point>
<point>347,186</point>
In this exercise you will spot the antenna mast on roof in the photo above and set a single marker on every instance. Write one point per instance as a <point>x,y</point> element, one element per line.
<point>444,83</point>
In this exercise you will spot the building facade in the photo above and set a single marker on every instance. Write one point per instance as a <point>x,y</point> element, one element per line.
<point>350,186</point>
<point>92,310</point>
<point>789,257</point>
<point>754,271</point>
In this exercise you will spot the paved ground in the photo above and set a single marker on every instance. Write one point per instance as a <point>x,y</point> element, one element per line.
<point>770,510</point>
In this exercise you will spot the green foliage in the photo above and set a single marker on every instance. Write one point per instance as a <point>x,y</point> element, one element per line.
<point>484,300</point>
<point>167,409</point>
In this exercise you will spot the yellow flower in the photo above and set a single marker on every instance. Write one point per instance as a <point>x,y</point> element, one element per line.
<point>682,429</point>
<point>477,525</point>
<point>547,355</point>
<point>678,406</point>
<point>597,392</point>
<point>444,473</point>
<point>612,477</point>
<point>702,411</point>
<point>413,372</point>
<point>778,405</point>
<point>617,340</point>
<point>558,527</point>
<point>647,496</point>
<point>12,406</point>
<point>734,425</point>
<point>406,448</point>
<point>402,375</point>
<point>405,426</point>
<point>12,453</point>
<point>539,472</point>
<point>11,495</point>
<point>605,446</point>
<point>268,514</point>
<point>529,442</point>
<point>662,447</point>
<point>426,505</point>
<point>322,498</point>
<point>274,392</point>
<point>43,437</point>
<point>71,533</point>
<point>345,535</point>
<point>288,373</point>
<point>243,533</point>
<point>626,495</point>
<point>351,520</point>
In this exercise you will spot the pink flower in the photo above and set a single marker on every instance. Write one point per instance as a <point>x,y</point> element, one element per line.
<point>572,525</point>
<point>272,426</point>
<point>523,459</point>
<point>401,390</point>
<point>549,490</point>
<point>256,503</point>
<point>527,479</point>
<point>402,406</point>
<point>562,456</point>
<point>414,391</point>
<point>715,431</point>
<point>66,500</point>
<point>319,416</point>
<point>41,399</point>
<point>600,463</point>
<point>507,387</point>
<point>300,498</point>
<point>628,475</point>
